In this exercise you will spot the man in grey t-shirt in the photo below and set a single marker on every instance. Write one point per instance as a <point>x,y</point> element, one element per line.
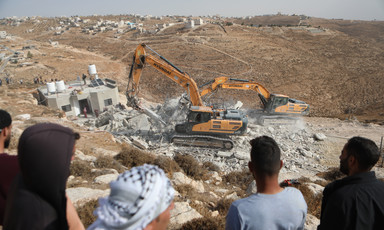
<point>272,207</point>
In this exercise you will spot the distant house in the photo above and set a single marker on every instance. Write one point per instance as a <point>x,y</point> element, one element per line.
<point>190,24</point>
<point>3,34</point>
<point>73,97</point>
<point>198,21</point>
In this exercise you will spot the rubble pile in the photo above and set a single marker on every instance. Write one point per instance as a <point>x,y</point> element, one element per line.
<point>301,146</point>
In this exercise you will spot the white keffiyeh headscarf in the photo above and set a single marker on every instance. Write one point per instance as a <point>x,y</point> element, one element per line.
<point>137,197</point>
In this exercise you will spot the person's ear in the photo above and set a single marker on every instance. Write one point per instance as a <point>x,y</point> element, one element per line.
<point>5,131</point>
<point>352,161</point>
<point>281,164</point>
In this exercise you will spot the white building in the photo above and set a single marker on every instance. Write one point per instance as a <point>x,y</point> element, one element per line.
<point>190,24</point>
<point>198,21</point>
<point>3,34</point>
<point>73,97</point>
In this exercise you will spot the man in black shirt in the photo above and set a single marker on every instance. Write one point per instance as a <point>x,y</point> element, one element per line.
<point>356,201</point>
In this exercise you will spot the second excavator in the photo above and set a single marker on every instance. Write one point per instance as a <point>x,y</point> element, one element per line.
<point>274,105</point>
<point>204,127</point>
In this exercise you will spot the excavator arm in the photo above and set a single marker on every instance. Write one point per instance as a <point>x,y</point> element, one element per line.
<point>233,83</point>
<point>272,103</point>
<point>141,58</point>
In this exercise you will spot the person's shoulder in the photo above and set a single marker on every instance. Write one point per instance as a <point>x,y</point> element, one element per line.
<point>292,190</point>
<point>242,202</point>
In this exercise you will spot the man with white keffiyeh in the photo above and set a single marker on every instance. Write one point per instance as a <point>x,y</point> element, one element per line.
<point>140,198</point>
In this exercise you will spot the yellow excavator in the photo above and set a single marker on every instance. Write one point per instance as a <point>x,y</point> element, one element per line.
<point>204,127</point>
<point>274,105</point>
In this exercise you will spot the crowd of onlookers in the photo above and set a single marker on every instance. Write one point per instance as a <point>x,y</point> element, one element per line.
<point>33,184</point>
<point>36,80</point>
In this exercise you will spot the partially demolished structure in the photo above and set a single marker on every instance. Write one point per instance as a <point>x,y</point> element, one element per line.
<point>76,98</point>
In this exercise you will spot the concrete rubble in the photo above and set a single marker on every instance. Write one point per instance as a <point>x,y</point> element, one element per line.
<point>299,144</point>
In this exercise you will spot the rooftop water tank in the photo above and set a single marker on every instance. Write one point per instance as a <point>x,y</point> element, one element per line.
<point>51,87</point>
<point>60,86</point>
<point>92,69</point>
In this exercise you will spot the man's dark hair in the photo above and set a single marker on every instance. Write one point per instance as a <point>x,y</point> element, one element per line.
<point>265,155</point>
<point>5,119</point>
<point>365,150</point>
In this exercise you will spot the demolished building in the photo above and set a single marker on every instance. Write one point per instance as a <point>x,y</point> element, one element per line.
<point>74,96</point>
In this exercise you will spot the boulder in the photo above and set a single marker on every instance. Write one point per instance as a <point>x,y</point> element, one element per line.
<point>81,195</point>
<point>214,176</point>
<point>311,222</point>
<point>81,156</point>
<point>232,196</point>
<point>183,213</point>
<point>23,117</point>
<point>215,213</point>
<point>105,179</point>
<point>315,188</point>
<point>104,152</point>
<point>224,154</point>
<point>179,178</point>
<point>319,137</point>
<point>242,155</point>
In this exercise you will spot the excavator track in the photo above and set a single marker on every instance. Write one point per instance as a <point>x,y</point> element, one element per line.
<point>203,141</point>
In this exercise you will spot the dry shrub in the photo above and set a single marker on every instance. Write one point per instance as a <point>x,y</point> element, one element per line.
<point>303,180</point>
<point>108,162</point>
<point>205,223</point>
<point>313,201</point>
<point>223,206</point>
<point>321,182</point>
<point>81,169</point>
<point>239,178</point>
<point>184,189</point>
<point>210,166</point>
<point>331,175</point>
<point>130,157</point>
<point>202,208</point>
<point>167,164</point>
<point>86,212</point>
<point>191,167</point>
<point>188,192</point>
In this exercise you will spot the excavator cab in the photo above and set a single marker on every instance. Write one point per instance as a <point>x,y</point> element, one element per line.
<point>276,101</point>
<point>199,117</point>
<point>279,103</point>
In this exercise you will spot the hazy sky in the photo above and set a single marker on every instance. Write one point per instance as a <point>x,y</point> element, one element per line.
<point>346,9</point>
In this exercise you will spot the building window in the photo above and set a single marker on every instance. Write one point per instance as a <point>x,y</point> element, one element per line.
<point>108,102</point>
<point>66,108</point>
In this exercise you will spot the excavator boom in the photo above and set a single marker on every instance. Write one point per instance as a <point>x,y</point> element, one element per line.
<point>140,58</point>
<point>273,104</point>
